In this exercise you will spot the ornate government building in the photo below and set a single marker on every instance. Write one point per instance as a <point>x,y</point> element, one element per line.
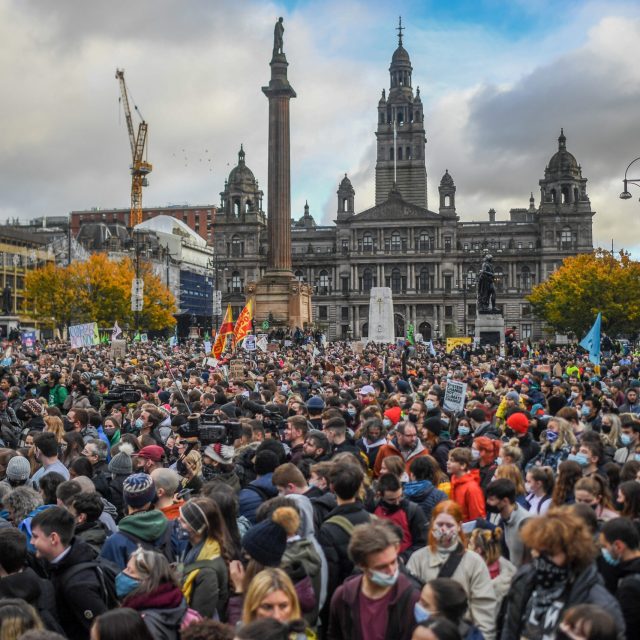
<point>427,256</point>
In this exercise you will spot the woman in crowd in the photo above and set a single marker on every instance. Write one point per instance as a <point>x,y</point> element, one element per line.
<point>539,487</point>
<point>558,443</point>
<point>16,617</point>
<point>563,573</point>
<point>484,452</point>
<point>205,581</point>
<point>629,500</point>
<point>513,473</point>
<point>510,453</point>
<point>74,446</point>
<point>118,624</point>
<point>487,544</point>
<point>446,556</point>
<point>594,491</point>
<point>148,585</point>
<point>56,426</point>
<point>112,424</point>
<point>569,472</point>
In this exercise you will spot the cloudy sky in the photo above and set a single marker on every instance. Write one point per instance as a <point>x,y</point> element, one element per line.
<point>498,79</point>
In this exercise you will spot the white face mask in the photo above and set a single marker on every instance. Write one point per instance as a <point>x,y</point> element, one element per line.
<point>475,454</point>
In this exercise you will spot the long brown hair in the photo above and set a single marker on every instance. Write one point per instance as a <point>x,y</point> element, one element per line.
<point>569,472</point>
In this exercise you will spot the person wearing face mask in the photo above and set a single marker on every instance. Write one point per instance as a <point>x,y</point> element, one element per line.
<point>594,491</point>
<point>445,598</point>
<point>446,556</point>
<point>381,597</point>
<point>406,515</point>
<point>620,548</point>
<point>558,441</point>
<point>629,437</point>
<point>465,484</point>
<point>562,574</point>
<point>465,436</point>
<point>373,437</point>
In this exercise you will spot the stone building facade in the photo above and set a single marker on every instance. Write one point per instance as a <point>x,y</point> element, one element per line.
<point>429,257</point>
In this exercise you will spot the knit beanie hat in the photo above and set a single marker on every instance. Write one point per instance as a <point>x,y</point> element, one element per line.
<point>266,543</point>
<point>192,513</point>
<point>519,422</point>
<point>513,395</point>
<point>138,489</point>
<point>33,406</point>
<point>222,453</point>
<point>120,464</point>
<point>18,469</point>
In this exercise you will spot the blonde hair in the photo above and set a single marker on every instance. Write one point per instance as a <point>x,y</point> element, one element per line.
<point>487,543</point>
<point>55,426</point>
<point>511,472</point>
<point>193,458</point>
<point>263,584</point>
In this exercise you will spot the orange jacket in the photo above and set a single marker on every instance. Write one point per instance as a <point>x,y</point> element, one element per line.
<point>391,449</point>
<point>467,493</point>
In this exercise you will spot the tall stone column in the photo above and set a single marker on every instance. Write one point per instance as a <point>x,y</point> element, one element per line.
<point>279,92</point>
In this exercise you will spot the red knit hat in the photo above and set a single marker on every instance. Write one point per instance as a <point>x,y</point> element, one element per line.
<point>393,413</point>
<point>519,422</point>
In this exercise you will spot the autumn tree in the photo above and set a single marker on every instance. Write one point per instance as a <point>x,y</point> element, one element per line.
<point>98,290</point>
<point>586,284</point>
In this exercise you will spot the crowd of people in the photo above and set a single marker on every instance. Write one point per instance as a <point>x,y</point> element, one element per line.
<point>318,491</point>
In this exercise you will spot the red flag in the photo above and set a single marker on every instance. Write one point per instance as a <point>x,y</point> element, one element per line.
<point>225,330</point>
<point>243,324</point>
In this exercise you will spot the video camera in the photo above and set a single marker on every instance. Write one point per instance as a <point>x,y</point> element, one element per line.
<point>272,421</point>
<point>211,430</point>
<point>122,394</point>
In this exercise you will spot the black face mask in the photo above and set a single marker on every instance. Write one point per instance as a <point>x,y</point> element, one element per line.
<point>67,424</point>
<point>493,508</point>
<point>413,418</point>
<point>606,428</point>
<point>389,507</point>
<point>548,574</point>
<point>291,413</point>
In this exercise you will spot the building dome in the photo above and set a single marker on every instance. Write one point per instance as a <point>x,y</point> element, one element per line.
<point>562,161</point>
<point>401,56</point>
<point>447,180</point>
<point>241,175</point>
<point>345,183</point>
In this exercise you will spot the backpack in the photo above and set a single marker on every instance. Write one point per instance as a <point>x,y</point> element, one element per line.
<point>163,545</point>
<point>260,491</point>
<point>106,572</point>
<point>344,523</point>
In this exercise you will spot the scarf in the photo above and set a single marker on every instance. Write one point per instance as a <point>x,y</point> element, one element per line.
<point>373,445</point>
<point>207,550</point>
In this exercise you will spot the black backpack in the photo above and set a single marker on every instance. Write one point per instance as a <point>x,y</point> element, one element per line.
<point>106,572</point>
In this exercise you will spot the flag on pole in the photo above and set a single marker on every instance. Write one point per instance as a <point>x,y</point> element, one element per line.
<point>243,324</point>
<point>591,342</point>
<point>411,338</point>
<point>225,330</point>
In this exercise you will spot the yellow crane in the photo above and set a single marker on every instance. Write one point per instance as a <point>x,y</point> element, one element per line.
<point>140,168</point>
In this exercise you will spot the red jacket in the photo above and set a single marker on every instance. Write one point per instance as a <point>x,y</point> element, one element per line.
<point>467,493</point>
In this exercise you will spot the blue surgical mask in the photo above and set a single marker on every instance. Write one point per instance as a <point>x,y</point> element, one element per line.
<point>580,458</point>
<point>430,404</point>
<point>625,438</point>
<point>464,431</point>
<point>351,411</point>
<point>384,579</point>
<point>125,585</point>
<point>387,423</point>
<point>637,457</point>
<point>139,423</point>
<point>584,410</point>
<point>608,558</point>
<point>420,613</point>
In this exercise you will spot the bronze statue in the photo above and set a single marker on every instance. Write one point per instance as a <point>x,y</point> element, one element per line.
<point>278,32</point>
<point>486,288</point>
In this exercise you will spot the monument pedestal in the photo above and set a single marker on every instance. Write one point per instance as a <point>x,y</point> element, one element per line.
<point>283,298</point>
<point>489,329</point>
<point>381,325</point>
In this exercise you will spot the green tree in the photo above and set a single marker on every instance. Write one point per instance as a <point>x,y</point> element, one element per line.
<point>587,284</point>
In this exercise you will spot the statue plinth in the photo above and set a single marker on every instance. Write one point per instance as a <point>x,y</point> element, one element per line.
<point>282,297</point>
<point>489,329</point>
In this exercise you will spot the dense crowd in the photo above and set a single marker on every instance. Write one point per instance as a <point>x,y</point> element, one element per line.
<point>318,491</point>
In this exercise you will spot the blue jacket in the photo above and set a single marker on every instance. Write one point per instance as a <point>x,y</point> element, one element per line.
<point>25,525</point>
<point>250,499</point>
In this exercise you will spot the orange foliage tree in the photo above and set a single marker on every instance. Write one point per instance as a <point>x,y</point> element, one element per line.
<point>586,284</point>
<point>98,290</point>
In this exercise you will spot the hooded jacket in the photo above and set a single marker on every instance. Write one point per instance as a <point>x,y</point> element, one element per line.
<point>393,449</point>
<point>162,611</point>
<point>149,526</point>
<point>301,561</point>
<point>250,499</point>
<point>425,495</point>
<point>344,620</point>
<point>628,592</point>
<point>467,493</point>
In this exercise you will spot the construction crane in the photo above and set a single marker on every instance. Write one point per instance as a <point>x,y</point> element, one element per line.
<point>140,168</point>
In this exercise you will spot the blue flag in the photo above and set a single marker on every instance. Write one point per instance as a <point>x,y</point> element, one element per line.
<point>591,342</point>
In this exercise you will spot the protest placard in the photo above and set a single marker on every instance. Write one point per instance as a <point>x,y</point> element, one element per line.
<point>83,335</point>
<point>454,396</point>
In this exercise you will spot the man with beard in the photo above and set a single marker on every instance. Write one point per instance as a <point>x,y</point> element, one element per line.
<point>406,444</point>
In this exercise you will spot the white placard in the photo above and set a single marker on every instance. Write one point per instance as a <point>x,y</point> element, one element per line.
<point>455,396</point>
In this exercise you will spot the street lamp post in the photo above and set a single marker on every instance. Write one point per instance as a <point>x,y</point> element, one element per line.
<point>625,195</point>
<point>467,283</point>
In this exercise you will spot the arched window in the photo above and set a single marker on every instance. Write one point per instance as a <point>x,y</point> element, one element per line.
<point>247,206</point>
<point>396,281</point>
<point>299,275</point>
<point>236,207</point>
<point>576,194</point>
<point>367,280</point>
<point>447,201</point>
<point>553,196</point>
<point>345,204</point>
<point>396,241</point>
<point>399,153</point>
<point>566,195</point>
<point>425,242</point>
<point>367,243</point>
<point>391,153</point>
<point>408,153</point>
<point>236,282</point>
<point>237,247</point>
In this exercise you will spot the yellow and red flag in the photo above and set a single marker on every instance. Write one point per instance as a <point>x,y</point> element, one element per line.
<point>243,324</point>
<point>225,330</point>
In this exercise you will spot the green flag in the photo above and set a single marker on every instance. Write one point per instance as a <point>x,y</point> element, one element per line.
<point>265,325</point>
<point>137,338</point>
<point>410,335</point>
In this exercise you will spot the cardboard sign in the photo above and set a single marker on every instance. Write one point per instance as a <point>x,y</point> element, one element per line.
<point>236,369</point>
<point>212,362</point>
<point>118,349</point>
<point>455,396</point>
<point>262,344</point>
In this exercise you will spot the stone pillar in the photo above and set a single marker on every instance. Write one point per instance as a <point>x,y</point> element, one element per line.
<point>279,92</point>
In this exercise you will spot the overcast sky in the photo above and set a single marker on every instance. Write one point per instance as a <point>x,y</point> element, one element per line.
<point>498,79</point>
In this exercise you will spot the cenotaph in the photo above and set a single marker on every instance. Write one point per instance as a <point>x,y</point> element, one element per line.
<point>381,325</point>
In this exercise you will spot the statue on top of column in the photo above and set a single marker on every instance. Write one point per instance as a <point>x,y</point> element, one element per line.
<point>278,32</point>
<point>486,287</point>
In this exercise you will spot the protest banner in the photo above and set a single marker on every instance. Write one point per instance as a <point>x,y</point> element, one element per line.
<point>118,349</point>
<point>84,335</point>
<point>452,343</point>
<point>28,339</point>
<point>454,396</point>
<point>236,370</point>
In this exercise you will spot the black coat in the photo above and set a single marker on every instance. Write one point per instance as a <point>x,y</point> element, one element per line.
<point>79,600</point>
<point>586,588</point>
<point>628,592</point>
